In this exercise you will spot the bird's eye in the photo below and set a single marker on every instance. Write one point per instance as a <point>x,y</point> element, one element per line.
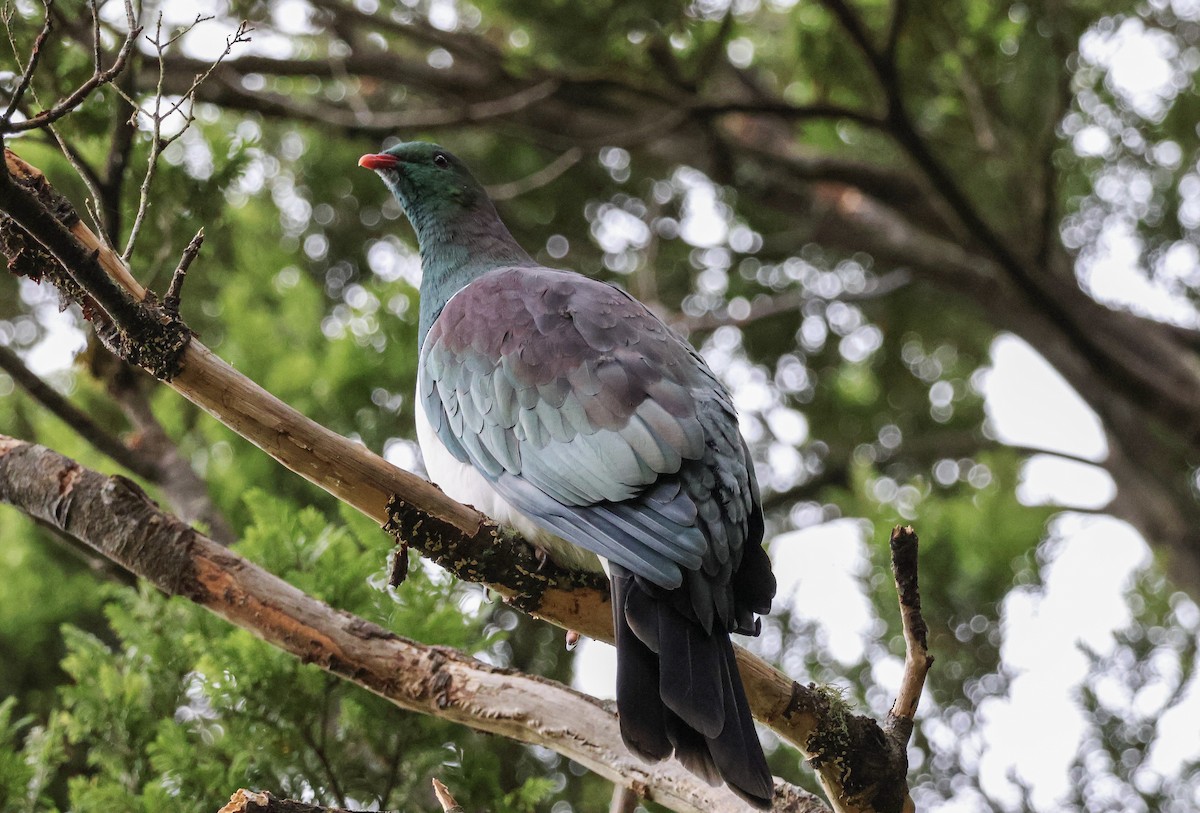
<point>440,160</point>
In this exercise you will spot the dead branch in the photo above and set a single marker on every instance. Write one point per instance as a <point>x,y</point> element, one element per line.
<point>35,56</point>
<point>158,142</point>
<point>172,300</point>
<point>116,518</point>
<point>917,659</point>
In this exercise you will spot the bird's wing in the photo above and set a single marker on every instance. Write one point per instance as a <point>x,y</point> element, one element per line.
<point>596,420</point>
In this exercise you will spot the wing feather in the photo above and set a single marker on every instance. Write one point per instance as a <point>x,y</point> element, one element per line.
<point>601,425</point>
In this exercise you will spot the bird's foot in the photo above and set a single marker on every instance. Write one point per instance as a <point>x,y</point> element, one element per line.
<point>542,556</point>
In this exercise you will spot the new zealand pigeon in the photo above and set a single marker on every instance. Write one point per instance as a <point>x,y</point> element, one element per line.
<point>562,407</point>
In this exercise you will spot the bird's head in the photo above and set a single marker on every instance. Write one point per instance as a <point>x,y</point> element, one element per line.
<point>428,181</point>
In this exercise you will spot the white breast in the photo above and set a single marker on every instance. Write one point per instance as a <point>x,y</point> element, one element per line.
<point>466,485</point>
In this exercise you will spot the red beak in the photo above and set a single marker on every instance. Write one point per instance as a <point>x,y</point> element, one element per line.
<point>378,161</point>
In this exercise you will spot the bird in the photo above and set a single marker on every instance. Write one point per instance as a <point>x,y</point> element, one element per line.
<point>560,406</point>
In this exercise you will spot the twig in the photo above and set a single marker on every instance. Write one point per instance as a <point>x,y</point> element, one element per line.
<point>35,56</point>
<point>158,142</point>
<point>175,289</point>
<point>77,161</point>
<point>85,173</point>
<point>917,659</point>
<point>105,289</point>
<point>536,180</point>
<point>80,94</point>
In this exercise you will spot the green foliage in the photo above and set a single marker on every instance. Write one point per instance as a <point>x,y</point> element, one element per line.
<point>179,709</point>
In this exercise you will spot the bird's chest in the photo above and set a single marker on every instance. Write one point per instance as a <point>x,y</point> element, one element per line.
<point>464,483</point>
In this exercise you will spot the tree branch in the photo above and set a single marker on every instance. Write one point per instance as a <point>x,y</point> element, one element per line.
<point>100,76</point>
<point>917,659</point>
<point>35,56</point>
<point>788,301</point>
<point>114,517</point>
<point>83,424</point>
<point>545,175</point>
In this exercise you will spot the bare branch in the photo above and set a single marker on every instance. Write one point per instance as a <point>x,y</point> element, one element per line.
<point>85,172</point>
<point>917,659</point>
<point>35,56</point>
<point>545,175</point>
<point>171,300</point>
<point>81,93</point>
<point>158,142</point>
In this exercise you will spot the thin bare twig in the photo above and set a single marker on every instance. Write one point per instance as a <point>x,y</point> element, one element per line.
<point>74,158</point>
<point>158,142</point>
<point>545,175</point>
<point>100,76</point>
<point>87,175</point>
<point>35,56</point>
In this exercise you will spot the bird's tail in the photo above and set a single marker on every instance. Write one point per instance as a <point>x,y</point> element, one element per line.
<point>678,690</point>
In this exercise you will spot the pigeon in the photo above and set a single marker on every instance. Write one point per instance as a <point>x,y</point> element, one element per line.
<point>564,408</point>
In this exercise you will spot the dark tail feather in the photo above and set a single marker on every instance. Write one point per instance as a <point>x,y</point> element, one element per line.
<point>641,712</point>
<point>694,704</point>
<point>737,750</point>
